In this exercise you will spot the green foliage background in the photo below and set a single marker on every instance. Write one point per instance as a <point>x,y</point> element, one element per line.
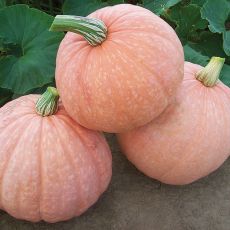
<point>28,49</point>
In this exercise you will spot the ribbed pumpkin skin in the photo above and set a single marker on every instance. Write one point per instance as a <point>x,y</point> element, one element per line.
<point>51,168</point>
<point>189,140</point>
<point>114,87</point>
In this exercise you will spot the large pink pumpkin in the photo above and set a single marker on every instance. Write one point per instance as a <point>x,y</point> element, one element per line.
<point>51,168</point>
<point>191,138</point>
<point>125,80</point>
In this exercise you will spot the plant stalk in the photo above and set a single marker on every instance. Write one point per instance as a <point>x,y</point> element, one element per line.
<point>209,75</point>
<point>92,29</point>
<point>47,104</point>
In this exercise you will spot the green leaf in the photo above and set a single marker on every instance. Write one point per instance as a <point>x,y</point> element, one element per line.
<point>198,2</point>
<point>225,75</point>
<point>5,96</point>
<point>188,21</point>
<point>39,90</point>
<point>159,6</point>
<point>196,57</point>
<point>216,12</point>
<point>28,49</point>
<point>85,7</point>
<point>226,44</point>
<point>209,44</point>
<point>2,3</point>
<point>42,89</point>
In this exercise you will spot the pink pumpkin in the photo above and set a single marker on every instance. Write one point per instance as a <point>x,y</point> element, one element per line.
<point>191,138</point>
<point>51,168</point>
<point>119,68</point>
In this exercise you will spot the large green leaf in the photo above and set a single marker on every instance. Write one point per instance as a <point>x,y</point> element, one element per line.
<point>226,44</point>
<point>2,3</point>
<point>188,21</point>
<point>209,44</point>
<point>196,57</point>
<point>28,49</point>
<point>159,6</point>
<point>225,75</point>
<point>85,7</point>
<point>198,2</point>
<point>217,13</point>
<point>39,90</point>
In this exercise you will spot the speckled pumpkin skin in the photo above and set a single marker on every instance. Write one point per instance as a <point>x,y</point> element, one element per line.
<point>127,80</point>
<point>189,140</point>
<point>51,168</point>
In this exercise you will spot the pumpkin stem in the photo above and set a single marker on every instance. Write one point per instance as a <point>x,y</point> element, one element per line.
<point>92,29</point>
<point>47,104</point>
<point>209,75</point>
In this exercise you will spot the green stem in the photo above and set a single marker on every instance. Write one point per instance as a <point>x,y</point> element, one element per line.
<point>47,104</point>
<point>92,29</point>
<point>209,75</point>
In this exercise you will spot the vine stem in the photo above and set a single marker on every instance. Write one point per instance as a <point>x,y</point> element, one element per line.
<point>209,75</point>
<point>92,29</point>
<point>47,104</point>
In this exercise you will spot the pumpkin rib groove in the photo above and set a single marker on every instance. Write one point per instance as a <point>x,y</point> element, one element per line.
<point>152,72</point>
<point>189,80</point>
<point>105,58</point>
<point>91,103</point>
<point>121,17</point>
<point>9,159</point>
<point>146,34</point>
<point>83,83</point>
<point>41,172</point>
<point>74,41</point>
<point>2,133</point>
<point>69,123</point>
<point>143,61</point>
<point>14,121</point>
<point>83,140</point>
<point>67,156</point>
<point>84,143</point>
<point>186,156</point>
<point>73,128</point>
<point>19,201</point>
<point>94,160</point>
<point>117,19</point>
<point>7,163</point>
<point>222,105</point>
<point>140,10</point>
<point>10,113</point>
<point>223,89</point>
<point>73,55</point>
<point>90,153</point>
<point>80,70</point>
<point>204,122</point>
<point>214,95</point>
